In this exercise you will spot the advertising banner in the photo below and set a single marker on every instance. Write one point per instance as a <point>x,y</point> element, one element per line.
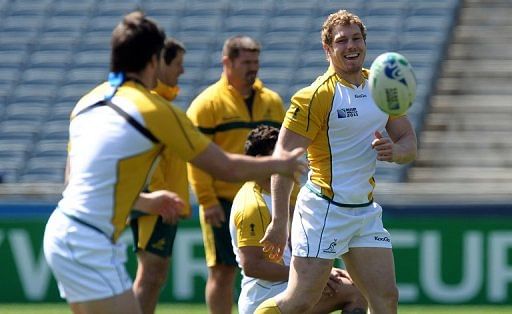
<point>458,258</point>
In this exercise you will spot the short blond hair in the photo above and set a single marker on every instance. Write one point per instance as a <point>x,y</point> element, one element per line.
<point>342,17</point>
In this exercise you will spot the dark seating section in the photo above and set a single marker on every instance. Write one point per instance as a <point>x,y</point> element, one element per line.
<point>53,51</point>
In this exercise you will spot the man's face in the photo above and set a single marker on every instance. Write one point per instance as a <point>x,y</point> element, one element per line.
<point>244,68</point>
<point>169,73</point>
<point>348,49</point>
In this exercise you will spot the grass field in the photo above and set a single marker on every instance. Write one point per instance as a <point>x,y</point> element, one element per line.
<point>61,308</point>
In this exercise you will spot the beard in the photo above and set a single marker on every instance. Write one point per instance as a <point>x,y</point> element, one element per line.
<point>250,78</point>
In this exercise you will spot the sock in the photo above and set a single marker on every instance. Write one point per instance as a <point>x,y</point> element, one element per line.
<point>268,306</point>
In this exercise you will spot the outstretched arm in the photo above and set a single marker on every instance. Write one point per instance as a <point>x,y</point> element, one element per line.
<point>276,236</point>
<point>239,168</point>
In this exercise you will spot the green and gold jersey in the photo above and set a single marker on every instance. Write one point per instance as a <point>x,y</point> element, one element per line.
<point>220,112</point>
<point>111,161</point>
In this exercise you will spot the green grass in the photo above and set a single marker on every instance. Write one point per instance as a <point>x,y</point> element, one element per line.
<point>180,308</point>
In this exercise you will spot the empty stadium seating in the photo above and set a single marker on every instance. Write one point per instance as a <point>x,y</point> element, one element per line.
<point>53,51</point>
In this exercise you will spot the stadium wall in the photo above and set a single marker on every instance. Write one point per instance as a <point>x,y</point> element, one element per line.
<point>444,255</point>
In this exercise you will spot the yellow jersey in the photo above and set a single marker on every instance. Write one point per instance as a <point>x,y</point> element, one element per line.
<point>220,112</point>
<point>111,160</point>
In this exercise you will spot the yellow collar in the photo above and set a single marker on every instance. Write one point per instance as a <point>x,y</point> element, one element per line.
<point>257,86</point>
<point>365,74</point>
<point>166,91</point>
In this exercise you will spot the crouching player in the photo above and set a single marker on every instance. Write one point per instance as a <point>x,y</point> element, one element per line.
<point>262,277</point>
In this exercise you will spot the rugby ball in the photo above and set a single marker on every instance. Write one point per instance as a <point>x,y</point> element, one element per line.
<point>392,83</point>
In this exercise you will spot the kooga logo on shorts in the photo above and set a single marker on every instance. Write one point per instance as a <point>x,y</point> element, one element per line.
<point>384,239</point>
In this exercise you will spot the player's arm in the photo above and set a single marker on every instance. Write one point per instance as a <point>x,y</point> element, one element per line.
<point>276,236</point>
<point>402,145</point>
<point>256,265</point>
<point>238,168</point>
<point>164,203</point>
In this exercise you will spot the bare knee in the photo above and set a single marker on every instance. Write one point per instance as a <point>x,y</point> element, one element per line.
<point>153,273</point>
<point>351,299</point>
<point>222,275</point>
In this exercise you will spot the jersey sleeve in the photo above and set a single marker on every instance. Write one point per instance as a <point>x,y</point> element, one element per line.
<point>176,132</point>
<point>251,219</point>
<point>307,113</point>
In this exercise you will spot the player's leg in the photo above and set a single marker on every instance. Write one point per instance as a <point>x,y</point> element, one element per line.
<point>124,303</point>
<point>373,271</point>
<point>154,242</point>
<point>345,297</point>
<point>219,288</point>
<point>308,277</point>
<point>221,264</point>
<point>370,262</point>
<point>152,273</point>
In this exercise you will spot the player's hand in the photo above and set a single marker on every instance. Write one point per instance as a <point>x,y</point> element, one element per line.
<point>337,278</point>
<point>293,164</point>
<point>274,241</point>
<point>164,203</point>
<point>214,215</point>
<point>383,146</point>
<point>341,273</point>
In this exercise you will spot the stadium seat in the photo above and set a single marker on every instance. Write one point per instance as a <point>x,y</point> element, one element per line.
<point>244,24</point>
<point>29,111</point>
<point>73,91</point>
<point>77,9</point>
<point>19,130</point>
<point>271,60</point>
<point>55,130</point>
<point>86,75</point>
<point>43,75</point>
<point>92,58</point>
<point>289,23</point>
<point>32,177</point>
<point>115,9</point>
<point>261,8</point>
<point>51,58</point>
<point>327,7</point>
<point>50,148</point>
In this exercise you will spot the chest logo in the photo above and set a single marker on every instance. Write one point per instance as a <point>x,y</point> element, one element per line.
<point>347,113</point>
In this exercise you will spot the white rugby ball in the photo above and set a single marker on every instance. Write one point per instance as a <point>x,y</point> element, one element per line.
<point>392,83</point>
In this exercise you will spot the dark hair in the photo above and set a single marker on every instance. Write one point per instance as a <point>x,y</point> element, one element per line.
<point>135,40</point>
<point>171,48</point>
<point>234,45</point>
<point>261,141</point>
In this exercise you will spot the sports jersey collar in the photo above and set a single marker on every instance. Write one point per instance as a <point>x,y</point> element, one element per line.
<point>365,73</point>
<point>166,91</point>
<point>257,86</point>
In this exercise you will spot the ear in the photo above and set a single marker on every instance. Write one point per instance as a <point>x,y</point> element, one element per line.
<point>327,50</point>
<point>226,61</point>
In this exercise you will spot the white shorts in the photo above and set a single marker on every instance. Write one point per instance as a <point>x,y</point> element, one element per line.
<point>324,230</point>
<point>255,292</point>
<point>86,264</point>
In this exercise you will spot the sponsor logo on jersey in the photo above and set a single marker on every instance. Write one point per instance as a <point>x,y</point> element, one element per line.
<point>347,113</point>
<point>357,96</point>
